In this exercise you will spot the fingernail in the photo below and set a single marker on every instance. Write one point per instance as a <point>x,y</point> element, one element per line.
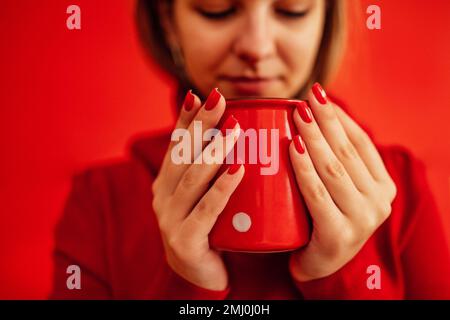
<point>304,111</point>
<point>234,168</point>
<point>213,99</point>
<point>319,93</point>
<point>299,144</point>
<point>229,124</point>
<point>189,101</point>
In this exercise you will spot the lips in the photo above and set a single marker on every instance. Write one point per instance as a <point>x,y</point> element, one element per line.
<point>247,79</point>
<point>250,85</point>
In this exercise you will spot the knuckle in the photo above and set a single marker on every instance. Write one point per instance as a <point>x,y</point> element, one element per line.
<point>206,210</point>
<point>348,237</point>
<point>173,244</point>
<point>362,139</point>
<point>155,185</point>
<point>163,225</point>
<point>189,180</point>
<point>384,209</point>
<point>347,151</point>
<point>317,192</point>
<point>368,219</point>
<point>335,169</point>
<point>156,203</point>
<point>221,187</point>
<point>392,190</point>
<point>371,223</point>
<point>203,206</point>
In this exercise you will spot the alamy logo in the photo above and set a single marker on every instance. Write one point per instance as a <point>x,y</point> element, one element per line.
<point>258,142</point>
<point>374,20</point>
<point>374,280</point>
<point>73,21</point>
<point>74,280</point>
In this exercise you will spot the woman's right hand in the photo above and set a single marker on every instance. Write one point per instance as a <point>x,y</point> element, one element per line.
<point>185,204</point>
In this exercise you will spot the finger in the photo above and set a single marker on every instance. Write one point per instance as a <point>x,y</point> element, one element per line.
<point>203,217</point>
<point>195,180</point>
<point>329,168</point>
<point>207,117</point>
<point>189,109</point>
<point>334,133</point>
<point>321,206</point>
<point>365,147</point>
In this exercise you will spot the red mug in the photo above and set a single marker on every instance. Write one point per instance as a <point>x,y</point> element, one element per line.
<point>266,213</point>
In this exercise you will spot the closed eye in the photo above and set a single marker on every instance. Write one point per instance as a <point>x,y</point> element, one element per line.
<point>217,14</point>
<point>292,14</point>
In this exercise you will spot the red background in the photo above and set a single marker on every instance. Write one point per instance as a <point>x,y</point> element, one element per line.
<point>71,98</point>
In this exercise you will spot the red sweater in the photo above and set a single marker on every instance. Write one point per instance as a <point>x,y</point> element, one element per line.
<point>110,231</point>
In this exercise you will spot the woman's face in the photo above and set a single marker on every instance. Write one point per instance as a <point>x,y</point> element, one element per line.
<point>248,47</point>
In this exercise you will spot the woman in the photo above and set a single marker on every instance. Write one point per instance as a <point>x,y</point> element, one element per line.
<point>139,228</point>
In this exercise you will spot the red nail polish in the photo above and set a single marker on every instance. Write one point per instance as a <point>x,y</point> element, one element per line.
<point>304,111</point>
<point>319,93</point>
<point>299,144</point>
<point>234,168</point>
<point>189,101</point>
<point>213,99</point>
<point>230,123</point>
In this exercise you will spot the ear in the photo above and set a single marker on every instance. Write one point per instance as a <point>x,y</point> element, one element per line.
<point>167,22</point>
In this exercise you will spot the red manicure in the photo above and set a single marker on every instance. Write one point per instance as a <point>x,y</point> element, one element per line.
<point>188,101</point>
<point>299,144</point>
<point>213,99</point>
<point>234,168</point>
<point>230,123</point>
<point>319,93</point>
<point>304,111</point>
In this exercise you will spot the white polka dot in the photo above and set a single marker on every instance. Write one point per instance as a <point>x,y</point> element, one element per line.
<point>242,222</point>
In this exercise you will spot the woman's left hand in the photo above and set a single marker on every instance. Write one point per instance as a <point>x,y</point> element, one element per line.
<point>344,182</point>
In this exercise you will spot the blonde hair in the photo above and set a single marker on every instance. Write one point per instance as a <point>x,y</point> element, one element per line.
<point>152,35</point>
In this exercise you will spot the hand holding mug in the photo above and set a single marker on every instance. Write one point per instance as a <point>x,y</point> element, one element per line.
<point>344,182</point>
<point>186,206</point>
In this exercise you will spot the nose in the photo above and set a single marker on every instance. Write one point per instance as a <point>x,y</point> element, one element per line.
<point>255,41</point>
